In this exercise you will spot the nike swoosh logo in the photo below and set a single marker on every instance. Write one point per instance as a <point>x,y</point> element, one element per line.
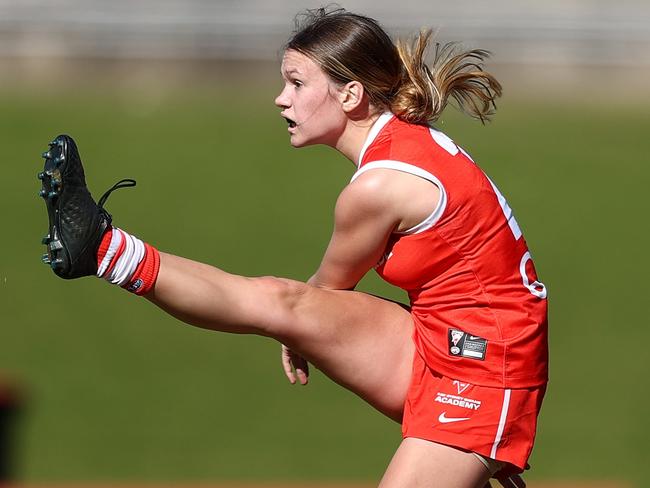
<point>473,338</point>
<point>447,420</point>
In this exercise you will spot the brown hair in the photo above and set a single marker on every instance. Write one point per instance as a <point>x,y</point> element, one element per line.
<point>351,47</point>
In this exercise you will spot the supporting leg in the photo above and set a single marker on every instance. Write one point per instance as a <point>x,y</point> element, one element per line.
<point>423,464</point>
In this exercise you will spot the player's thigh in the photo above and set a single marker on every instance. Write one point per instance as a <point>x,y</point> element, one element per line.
<point>422,464</point>
<point>360,341</point>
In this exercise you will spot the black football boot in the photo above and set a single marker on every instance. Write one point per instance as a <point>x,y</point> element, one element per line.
<point>76,223</point>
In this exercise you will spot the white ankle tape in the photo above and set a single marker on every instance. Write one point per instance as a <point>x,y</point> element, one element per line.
<point>131,252</point>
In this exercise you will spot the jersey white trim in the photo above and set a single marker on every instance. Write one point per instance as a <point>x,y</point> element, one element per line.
<point>507,211</point>
<point>444,141</point>
<point>374,132</point>
<point>502,423</point>
<point>431,220</point>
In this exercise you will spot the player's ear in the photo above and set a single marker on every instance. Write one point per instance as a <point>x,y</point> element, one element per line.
<point>351,95</point>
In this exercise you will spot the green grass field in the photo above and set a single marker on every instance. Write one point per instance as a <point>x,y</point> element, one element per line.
<point>119,391</point>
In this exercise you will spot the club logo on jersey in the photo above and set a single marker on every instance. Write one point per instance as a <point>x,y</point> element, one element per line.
<point>466,345</point>
<point>460,386</point>
<point>456,336</point>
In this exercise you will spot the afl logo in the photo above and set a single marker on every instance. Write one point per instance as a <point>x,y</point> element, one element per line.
<point>454,350</point>
<point>136,285</point>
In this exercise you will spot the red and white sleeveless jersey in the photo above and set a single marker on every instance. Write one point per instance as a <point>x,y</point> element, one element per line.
<point>480,312</point>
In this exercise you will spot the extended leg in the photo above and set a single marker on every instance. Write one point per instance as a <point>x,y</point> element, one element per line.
<point>360,341</point>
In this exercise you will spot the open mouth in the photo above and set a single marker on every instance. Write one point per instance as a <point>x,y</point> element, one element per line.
<point>291,123</point>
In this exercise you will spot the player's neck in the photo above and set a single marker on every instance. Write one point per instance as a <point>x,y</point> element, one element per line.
<point>354,136</point>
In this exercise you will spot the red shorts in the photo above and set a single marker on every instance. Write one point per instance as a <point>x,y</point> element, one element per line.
<point>493,422</point>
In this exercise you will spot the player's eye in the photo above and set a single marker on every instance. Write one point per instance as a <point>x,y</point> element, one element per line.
<point>297,83</point>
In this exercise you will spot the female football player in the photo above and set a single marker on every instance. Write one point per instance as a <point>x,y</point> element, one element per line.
<point>464,366</point>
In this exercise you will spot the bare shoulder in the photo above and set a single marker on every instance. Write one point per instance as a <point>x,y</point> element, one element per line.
<point>371,193</point>
<point>401,197</point>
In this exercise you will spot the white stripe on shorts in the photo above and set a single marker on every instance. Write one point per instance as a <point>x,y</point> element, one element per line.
<point>502,423</point>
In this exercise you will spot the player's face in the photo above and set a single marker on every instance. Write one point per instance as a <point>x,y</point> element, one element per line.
<point>309,102</point>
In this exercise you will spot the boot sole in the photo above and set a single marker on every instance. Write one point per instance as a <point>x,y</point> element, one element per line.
<point>52,186</point>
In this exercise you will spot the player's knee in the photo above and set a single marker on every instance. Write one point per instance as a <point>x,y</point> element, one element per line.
<point>284,297</point>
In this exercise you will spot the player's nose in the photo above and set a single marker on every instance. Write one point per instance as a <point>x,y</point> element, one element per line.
<point>282,100</point>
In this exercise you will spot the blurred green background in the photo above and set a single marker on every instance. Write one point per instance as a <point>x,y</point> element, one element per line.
<point>115,390</point>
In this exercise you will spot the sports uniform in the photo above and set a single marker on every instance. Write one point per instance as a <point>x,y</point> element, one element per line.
<point>479,310</point>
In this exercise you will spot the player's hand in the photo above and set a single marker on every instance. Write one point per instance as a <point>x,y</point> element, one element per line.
<point>295,366</point>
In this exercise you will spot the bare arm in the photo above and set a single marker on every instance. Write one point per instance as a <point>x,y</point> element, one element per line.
<point>363,221</point>
<point>367,212</point>
<point>364,218</point>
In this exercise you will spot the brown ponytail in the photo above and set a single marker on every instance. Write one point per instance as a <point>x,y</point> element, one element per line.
<point>351,47</point>
<point>423,92</point>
